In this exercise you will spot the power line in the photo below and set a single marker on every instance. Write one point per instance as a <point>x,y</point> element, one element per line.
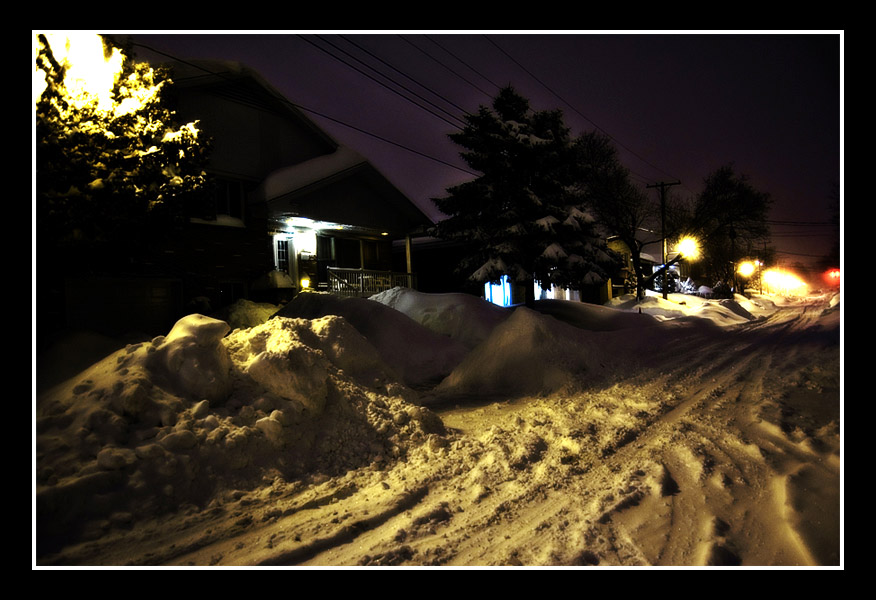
<point>405,75</point>
<point>803,223</point>
<point>357,69</point>
<point>548,88</point>
<point>441,64</point>
<point>472,69</point>
<point>312,111</point>
<point>382,139</point>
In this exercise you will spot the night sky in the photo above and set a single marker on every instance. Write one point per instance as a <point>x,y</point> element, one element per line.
<point>678,106</point>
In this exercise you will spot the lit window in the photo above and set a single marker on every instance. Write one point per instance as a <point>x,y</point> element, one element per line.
<point>498,293</point>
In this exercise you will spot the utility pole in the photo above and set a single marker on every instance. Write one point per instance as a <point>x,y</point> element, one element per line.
<point>662,187</point>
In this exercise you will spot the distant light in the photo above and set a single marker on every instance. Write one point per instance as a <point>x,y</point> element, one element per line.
<point>384,233</point>
<point>305,283</point>
<point>776,281</point>
<point>832,277</point>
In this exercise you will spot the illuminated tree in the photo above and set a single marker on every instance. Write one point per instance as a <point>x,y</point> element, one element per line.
<point>109,158</point>
<point>523,216</point>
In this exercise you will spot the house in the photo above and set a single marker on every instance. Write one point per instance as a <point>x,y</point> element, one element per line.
<point>625,283</point>
<point>330,217</point>
<point>290,208</point>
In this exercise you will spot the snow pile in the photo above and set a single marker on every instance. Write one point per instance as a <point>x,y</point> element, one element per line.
<point>183,418</point>
<point>677,306</point>
<point>292,358</point>
<point>243,314</point>
<point>462,317</point>
<point>592,316</point>
<point>420,357</point>
<point>529,353</point>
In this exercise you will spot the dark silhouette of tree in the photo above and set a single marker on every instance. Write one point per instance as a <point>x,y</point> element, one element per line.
<point>524,215</point>
<point>730,216</point>
<point>623,210</point>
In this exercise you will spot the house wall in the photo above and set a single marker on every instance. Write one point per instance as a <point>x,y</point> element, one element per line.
<point>251,137</point>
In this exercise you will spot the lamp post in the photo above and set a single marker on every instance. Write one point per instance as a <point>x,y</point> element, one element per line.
<point>748,268</point>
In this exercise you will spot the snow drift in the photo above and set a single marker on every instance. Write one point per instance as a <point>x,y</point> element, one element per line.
<point>299,439</point>
<point>419,356</point>
<point>461,317</point>
<point>528,353</point>
<point>176,420</point>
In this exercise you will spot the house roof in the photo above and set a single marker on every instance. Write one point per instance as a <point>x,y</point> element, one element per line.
<point>342,187</point>
<point>335,184</point>
<point>237,82</point>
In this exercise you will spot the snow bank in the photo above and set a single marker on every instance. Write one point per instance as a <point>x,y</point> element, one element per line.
<point>193,359</point>
<point>593,317</point>
<point>529,353</point>
<point>176,421</point>
<point>723,313</point>
<point>419,356</point>
<point>292,358</point>
<point>243,314</point>
<point>462,317</point>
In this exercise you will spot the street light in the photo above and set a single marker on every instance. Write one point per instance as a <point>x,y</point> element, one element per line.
<point>688,248</point>
<point>748,268</point>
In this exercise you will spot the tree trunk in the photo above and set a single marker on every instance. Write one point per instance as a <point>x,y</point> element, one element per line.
<point>529,292</point>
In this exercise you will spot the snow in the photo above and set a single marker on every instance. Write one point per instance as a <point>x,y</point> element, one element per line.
<point>439,429</point>
<point>289,179</point>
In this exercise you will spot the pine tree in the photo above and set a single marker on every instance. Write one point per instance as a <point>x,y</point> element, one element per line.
<point>523,216</point>
<point>107,162</point>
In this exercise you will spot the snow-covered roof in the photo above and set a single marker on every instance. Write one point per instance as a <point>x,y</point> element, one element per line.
<point>296,177</point>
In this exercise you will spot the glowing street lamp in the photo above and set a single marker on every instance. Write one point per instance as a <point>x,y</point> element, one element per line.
<point>688,248</point>
<point>746,269</point>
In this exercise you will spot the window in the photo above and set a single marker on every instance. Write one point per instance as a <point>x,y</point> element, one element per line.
<point>230,197</point>
<point>283,255</point>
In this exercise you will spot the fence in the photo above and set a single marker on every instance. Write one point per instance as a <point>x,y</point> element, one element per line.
<point>361,283</point>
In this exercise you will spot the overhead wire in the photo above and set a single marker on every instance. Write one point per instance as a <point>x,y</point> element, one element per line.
<point>444,66</point>
<point>318,113</point>
<point>579,113</point>
<point>405,75</point>
<point>446,120</point>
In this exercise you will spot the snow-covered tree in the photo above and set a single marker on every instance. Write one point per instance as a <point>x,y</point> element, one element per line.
<point>109,157</point>
<point>524,215</point>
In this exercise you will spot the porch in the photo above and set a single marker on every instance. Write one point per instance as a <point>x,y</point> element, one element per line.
<point>362,283</point>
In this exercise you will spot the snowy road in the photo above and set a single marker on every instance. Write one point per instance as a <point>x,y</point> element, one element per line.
<point>689,445</point>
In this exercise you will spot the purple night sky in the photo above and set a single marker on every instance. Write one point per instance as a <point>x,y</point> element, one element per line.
<point>677,105</point>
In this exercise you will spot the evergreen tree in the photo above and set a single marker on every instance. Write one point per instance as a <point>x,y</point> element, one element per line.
<point>523,216</point>
<point>110,160</point>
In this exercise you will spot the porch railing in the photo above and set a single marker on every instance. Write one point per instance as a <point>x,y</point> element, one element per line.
<point>361,283</point>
